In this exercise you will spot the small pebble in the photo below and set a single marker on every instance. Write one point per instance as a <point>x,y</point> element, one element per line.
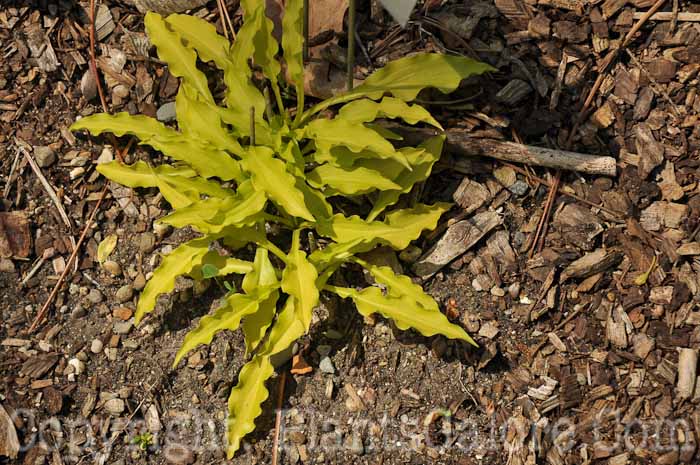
<point>96,346</point>
<point>122,327</point>
<point>497,291</point>
<point>124,293</point>
<point>326,365</point>
<point>112,267</point>
<point>139,282</point>
<point>519,188</point>
<point>122,313</point>
<point>78,312</point>
<point>111,354</point>
<point>106,156</point>
<point>115,406</point>
<point>514,290</point>
<point>77,366</point>
<point>94,296</point>
<point>6,266</point>
<point>44,156</point>
<point>166,112</point>
<point>147,242</point>
<point>76,173</point>
<point>356,445</point>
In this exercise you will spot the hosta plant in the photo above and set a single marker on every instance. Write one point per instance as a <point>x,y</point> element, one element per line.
<point>246,166</point>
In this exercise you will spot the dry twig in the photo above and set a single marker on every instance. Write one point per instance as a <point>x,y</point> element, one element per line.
<point>47,186</point>
<point>45,308</point>
<point>278,417</point>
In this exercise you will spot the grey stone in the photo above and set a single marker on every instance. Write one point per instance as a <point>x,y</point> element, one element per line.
<point>78,312</point>
<point>95,296</point>
<point>124,293</point>
<point>96,346</point>
<point>147,242</point>
<point>122,327</point>
<point>6,266</point>
<point>106,156</point>
<point>326,365</point>
<point>356,445</point>
<point>520,188</point>
<point>139,282</point>
<point>166,112</point>
<point>44,156</point>
<point>115,406</point>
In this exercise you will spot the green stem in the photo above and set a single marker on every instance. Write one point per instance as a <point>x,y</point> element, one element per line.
<point>278,99</point>
<point>300,105</point>
<point>341,291</point>
<point>352,12</point>
<point>274,249</point>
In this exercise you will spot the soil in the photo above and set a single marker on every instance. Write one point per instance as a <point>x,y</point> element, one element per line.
<point>588,339</point>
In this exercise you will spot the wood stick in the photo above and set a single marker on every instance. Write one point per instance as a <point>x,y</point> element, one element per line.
<point>45,308</point>
<point>47,187</point>
<point>668,16</point>
<point>529,155</point>
<point>687,369</point>
<point>462,143</point>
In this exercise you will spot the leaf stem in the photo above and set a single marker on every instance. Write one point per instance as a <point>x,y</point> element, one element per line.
<point>278,99</point>
<point>274,249</point>
<point>252,125</point>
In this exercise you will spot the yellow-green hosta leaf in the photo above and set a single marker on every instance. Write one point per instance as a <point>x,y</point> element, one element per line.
<point>244,403</point>
<point>212,215</point>
<point>239,118</point>
<point>142,127</point>
<point>181,60</point>
<point>299,281</point>
<point>180,261</point>
<point>287,328</point>
<point>339,252</point>
<point>197,121</point>
<point>201,35</point>
<point>180,186</point>
<point>270,176</point>
<point>293,46</point>
<point>262,274</point>
<point>422,161</point>
<point>405,77</point>
<point>398,229</point>
<point>404,311</point>
<point>315,201</point>
<point>140,174</point>
<point>265,46</point>
<point>224,265</point>
<point>365,111</point>
<point>206,160</point>
<point>400,285</point>
<point>106,247</point>
<point>329,133</point>
<point>227,317</point>
<point>350,181</point>
<point>177,198</point>
<point>291,153</point>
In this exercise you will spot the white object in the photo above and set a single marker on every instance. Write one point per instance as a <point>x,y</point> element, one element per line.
<point>399,9</point>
